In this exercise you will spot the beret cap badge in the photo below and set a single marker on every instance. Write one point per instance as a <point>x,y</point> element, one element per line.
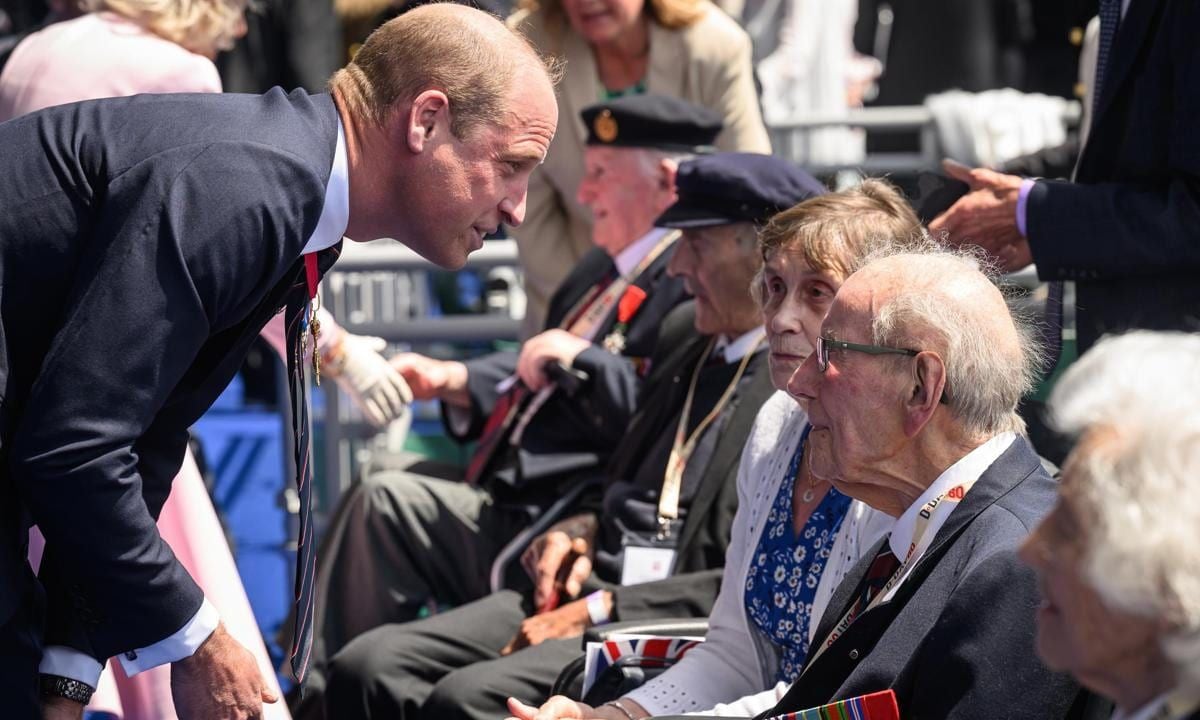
<point>605,126</point>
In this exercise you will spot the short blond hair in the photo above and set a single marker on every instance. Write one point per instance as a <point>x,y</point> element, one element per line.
<point>473,60</point>
<point>671,14</point>
<point>837,231</point>
<point>201,26</point>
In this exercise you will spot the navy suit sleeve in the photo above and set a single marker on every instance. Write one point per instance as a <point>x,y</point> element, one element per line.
<point>612,390</point>
<point>483,373</point>
<point>188,258</point>
<point>1143,224</point>
<point>978,661</point>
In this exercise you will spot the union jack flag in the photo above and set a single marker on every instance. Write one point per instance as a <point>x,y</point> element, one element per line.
<point>601,656</point>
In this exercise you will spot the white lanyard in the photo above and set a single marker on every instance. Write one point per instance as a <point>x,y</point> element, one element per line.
<point>685,444</point>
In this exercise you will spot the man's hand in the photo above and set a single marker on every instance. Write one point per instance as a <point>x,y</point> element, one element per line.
<point>986,216</point>
<point>221,680</point>
<point>60,708</point>
<point>547,557</point>
<point>445,380</point>
<point>570,620</point>
<point>547,347</point>
<point>560,707</point>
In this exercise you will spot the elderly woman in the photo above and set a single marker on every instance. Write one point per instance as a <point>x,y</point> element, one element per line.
<point>790,545</point>
<point>1118,558</point>
<point>685,48</point>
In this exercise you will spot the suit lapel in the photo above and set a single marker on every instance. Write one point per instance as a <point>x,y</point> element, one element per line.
<point>666,73</point>
<point>591,269</point>
<point>843,595</point>
<point>1132,33</point>
<point>583,87</point>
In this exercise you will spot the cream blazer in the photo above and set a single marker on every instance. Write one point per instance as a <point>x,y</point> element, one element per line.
<point>708,64</point>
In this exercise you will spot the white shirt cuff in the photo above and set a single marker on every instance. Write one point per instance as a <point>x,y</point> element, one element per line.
<point>183,643</point>
<point>70,663</point>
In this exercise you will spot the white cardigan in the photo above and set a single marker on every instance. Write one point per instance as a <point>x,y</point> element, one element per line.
<point>737,663</point>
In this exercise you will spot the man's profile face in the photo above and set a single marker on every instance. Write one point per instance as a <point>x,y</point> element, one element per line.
<point>854,406</point>
<point>477,182</point>
<point>626,190</point>
<point>717,268</point>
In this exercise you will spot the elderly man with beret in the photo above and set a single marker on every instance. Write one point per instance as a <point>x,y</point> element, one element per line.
<point>1118,559</point>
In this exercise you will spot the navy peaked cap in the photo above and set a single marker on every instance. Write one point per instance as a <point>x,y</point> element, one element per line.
<point>652,121</point>
<point>726,188</point>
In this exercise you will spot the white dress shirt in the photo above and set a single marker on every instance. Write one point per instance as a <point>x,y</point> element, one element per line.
<point>70,663</point>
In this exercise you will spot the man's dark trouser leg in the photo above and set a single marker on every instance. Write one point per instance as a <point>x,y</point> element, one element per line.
<point>481,691</point>
<point>20,653</point>
<point>389,672</point>
<point>399,540</point>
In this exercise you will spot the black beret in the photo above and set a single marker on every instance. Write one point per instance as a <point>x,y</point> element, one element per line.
<point>652,121</point>
<point>727,188</point>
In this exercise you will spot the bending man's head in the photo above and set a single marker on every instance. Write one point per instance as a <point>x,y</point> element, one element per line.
<point>448,113</point>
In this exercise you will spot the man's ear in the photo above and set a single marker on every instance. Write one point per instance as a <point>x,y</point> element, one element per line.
<point>667,170</point>
<point>428,117</point>
<point>925,393</point>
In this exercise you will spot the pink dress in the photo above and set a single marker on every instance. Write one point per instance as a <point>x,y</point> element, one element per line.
<point>104,55</point>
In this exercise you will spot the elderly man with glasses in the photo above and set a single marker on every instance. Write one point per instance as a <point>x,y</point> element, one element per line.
<point>912,396</point>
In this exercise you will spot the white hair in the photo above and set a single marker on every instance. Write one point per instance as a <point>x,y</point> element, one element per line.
<point>1142,550</point>
<point>984,383</point>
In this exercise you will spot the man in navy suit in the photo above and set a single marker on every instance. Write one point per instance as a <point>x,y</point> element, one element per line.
<point>143,243</point>
<point>1126,229</point>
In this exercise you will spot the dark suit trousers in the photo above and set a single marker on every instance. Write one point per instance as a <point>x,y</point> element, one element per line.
<point>20,653</point>
<point>401,540</point>
<point>446,667</point>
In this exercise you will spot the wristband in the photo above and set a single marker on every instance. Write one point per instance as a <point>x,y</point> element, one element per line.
<point>597,612</point>
<point>68,688</point>
<point>617,704</point>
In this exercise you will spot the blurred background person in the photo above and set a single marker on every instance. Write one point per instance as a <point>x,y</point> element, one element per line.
<point>290,43</point>
<point>1117,559</point>
<point>686,48</point>
<point>121,47</point>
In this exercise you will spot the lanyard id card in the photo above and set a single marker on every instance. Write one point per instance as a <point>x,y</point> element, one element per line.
<point>646,559</point>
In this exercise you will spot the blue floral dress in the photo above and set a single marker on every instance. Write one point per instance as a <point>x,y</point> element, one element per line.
<point>785,570</point>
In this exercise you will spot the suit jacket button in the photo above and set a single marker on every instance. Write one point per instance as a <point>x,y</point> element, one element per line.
<point>131,656</point>
<point>853,654</point>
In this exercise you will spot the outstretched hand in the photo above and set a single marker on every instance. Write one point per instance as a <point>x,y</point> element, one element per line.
<point>986,216</point>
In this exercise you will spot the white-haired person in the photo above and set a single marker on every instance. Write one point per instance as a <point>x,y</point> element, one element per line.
<point>794,536</point>
<point>126,47</point>
<point>1118,559</point>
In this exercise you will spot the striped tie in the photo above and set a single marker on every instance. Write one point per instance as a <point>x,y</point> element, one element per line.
<point>882,568</point>
<point>296,323</point>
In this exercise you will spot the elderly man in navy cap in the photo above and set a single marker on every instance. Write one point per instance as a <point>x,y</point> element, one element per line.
<point>650,543</point>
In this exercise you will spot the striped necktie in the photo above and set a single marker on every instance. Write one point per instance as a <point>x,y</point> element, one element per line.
<point>881,570</point>
<point>296,323</point>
